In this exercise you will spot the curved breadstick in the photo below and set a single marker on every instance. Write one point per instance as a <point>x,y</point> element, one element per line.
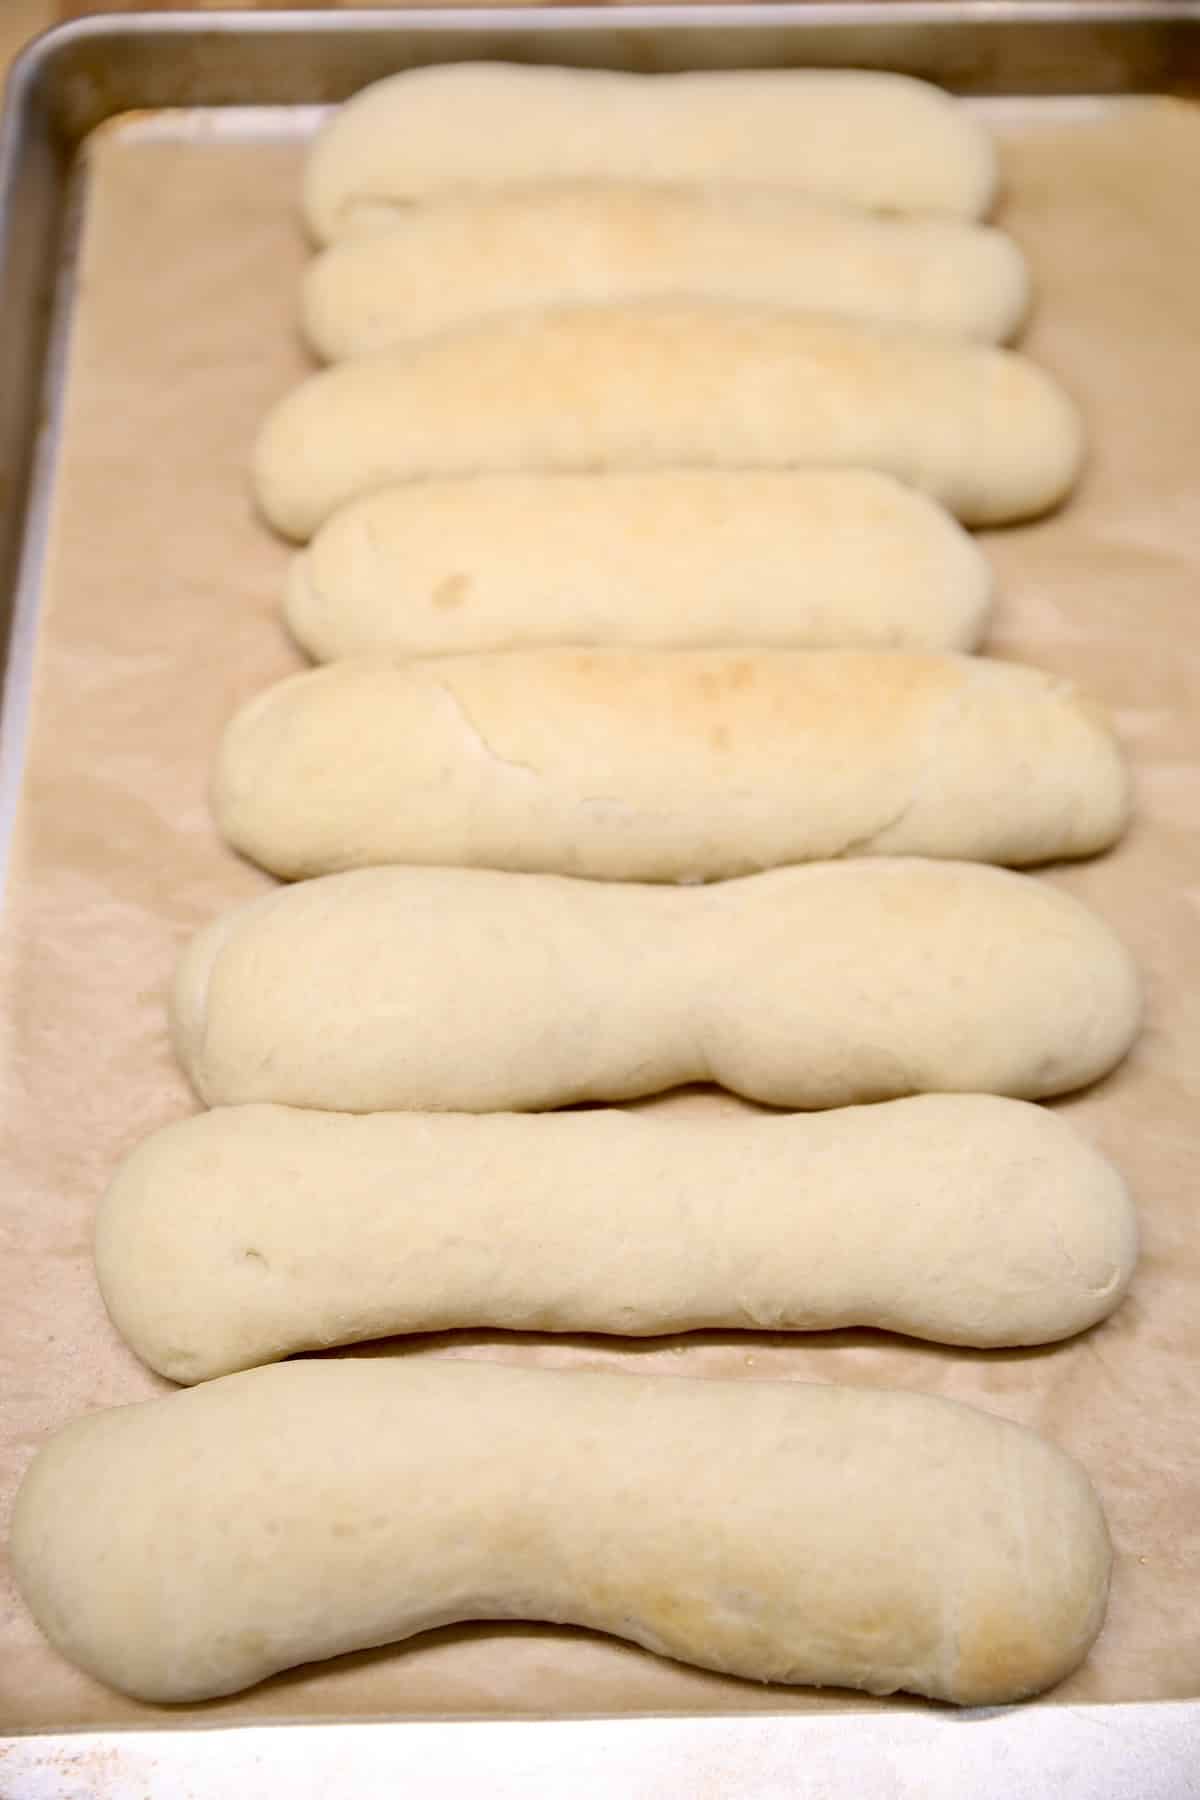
<point>465,990</point>
<point>190,1546</point>
<point>666,765</point>
<point>698,558</point>
<point>656,384</point>
<point>248,1233</point>
<point>875,140</point>
<point>498,250</point>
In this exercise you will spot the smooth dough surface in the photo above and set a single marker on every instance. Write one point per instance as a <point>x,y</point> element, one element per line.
<point>674,383</point>
<point>498,250</point>
<point>190,1546</point>
<point>464,990</point>
<point>691,558</point>
<point>248,1233</point>
<point>666,765</point>
<point>876,140</point>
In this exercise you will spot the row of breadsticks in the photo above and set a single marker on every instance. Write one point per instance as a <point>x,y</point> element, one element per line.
<point>627,492</point>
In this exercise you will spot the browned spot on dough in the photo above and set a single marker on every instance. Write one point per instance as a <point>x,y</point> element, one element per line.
<point>450,592</point>
<point>1003,1653</point>
<point>730,677</point>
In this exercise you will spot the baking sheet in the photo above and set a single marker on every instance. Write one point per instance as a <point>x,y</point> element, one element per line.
<point>160,617</point>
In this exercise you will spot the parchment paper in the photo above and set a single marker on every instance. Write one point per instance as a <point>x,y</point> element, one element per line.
<point>160,616</point>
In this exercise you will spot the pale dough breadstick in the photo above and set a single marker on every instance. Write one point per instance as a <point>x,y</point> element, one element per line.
<point>250,1232</point>
<point>666,765</point>
<point>783,1531</point>
<point>875,140</point>
<point>462,990</point>
<point>498,250</point>
<point>660,384</point>
<point>696,558</point>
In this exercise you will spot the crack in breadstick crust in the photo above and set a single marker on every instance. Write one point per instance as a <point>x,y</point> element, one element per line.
<point>713,763</point>
<point>477,738</point>
<point>930,763</point>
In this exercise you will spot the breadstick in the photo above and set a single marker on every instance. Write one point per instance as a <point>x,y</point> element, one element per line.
<point>190,1546</point>
<point>667,765</point>
<point>463,990</point>
<point>248,1233</point>
<point>874,140</point>
<point>695,558</point>
<point>661,384</point>
<point>555,243</point>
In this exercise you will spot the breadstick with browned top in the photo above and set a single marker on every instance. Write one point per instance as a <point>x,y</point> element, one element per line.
<point>667,765</point>
<point>674,384</point>
<point>497,250</point>
<point>193,1545</point>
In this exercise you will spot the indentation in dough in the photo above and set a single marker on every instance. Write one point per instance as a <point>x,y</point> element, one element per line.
<point>183,1363</point>
<point>1109,1278</point>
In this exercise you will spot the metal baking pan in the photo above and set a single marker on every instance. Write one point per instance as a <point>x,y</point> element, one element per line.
<point>67,84</point>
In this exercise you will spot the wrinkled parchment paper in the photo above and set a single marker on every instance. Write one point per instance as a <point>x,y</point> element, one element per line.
<point>160,616</point>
